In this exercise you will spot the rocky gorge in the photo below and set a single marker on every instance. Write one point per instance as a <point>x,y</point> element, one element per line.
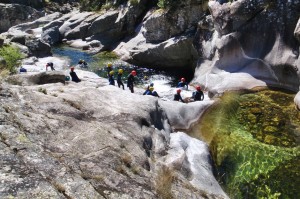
<point>90,140</point>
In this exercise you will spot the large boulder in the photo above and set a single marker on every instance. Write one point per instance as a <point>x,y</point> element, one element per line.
<point>165,38</point>
<point>13,14</point>
<point>191,158</point>
<point>31,3</point>
<point>177,52</point>
<point>38,78</point>
<point>252,42</point>
<point>38,48</point>
<point>51,35</point>
<point>87,139</point>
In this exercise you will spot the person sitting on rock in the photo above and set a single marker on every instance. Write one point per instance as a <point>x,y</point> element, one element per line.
<point>23,70</point>
<point>198,94</point>
<point>74,76</point>
<point>182,84</point>
<point>151,91</point>
<point>111,78</point>
<point>130,80</point>
<point>177,96</point>
<point>50,64</point>
<point>147,89</point>
<point>155,94</point>
<point>119,78</point>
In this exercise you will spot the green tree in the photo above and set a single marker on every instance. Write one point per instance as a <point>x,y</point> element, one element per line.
<point>12,56</point>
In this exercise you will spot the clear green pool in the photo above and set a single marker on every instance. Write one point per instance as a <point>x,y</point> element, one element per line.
<point>254,140</point>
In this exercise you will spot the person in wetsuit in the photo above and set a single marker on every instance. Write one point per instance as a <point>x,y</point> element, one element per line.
<point>182,84</point>
<point>198,94</point>
<point>130,80</point>
<point>74,76</point>
<point>177,96</point>
<point>119,78</point>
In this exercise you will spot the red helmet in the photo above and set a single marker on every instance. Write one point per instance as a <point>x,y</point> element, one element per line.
<point>182,79</point>
<point>133,73</point>
<point>72,68</point>
<point>198,88</point>
<point>178,91</point>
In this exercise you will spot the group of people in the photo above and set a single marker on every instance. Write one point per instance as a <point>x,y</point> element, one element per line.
<point>111,79</point>
<point>196,95</point>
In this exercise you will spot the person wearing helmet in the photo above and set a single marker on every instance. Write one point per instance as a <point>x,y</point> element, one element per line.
<point>130,80</point>
<point>119,78</point>
<point>111,78</point>
<point>109,68</point>
<point>82,63</point>
<point>50,64</point>
<point>182,84</point>
<point>74,76</point>
<point>147,89</point>
<point>198,94</point>
<point>177,96</point>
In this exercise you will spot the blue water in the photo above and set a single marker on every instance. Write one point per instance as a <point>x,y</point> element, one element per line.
<point>72,54</point>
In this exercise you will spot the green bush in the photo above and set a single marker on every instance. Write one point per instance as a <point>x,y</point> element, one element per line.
<point>12,56</point>
<point>167,3</point>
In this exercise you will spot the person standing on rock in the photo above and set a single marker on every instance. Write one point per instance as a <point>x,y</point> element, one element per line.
<point>74,76</point>
<point>109,68</point>
<point>130,80</point>
<point>50,64</point>
<point>111,78</point>
<point>119,78</point>
<point>177,96</point>
<point>182,84</point>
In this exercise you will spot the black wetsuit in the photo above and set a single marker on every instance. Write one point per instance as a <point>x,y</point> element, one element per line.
<point>51,65</point>
<point>111,80</point>
<point>130,81</point>
<point>108,69</point>
<point>177,97</point>
<point>198,96</point>
<point>119,81</point>
<point>74,77</point>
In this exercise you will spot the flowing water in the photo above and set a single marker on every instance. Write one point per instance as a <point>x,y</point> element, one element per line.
<point>97,63</point>
<point>254,140</point>
<point>165,82</point>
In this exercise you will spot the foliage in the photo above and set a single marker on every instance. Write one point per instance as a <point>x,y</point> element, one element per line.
<point>94,5</point>
<point>167,3</point>
<point>12,56</point>
<point>163,183</point>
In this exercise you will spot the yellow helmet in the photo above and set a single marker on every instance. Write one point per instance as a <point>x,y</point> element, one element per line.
<point>120,71</point>
<point>109,65</point>
<point>151,88</point>
<point>111,72</point>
